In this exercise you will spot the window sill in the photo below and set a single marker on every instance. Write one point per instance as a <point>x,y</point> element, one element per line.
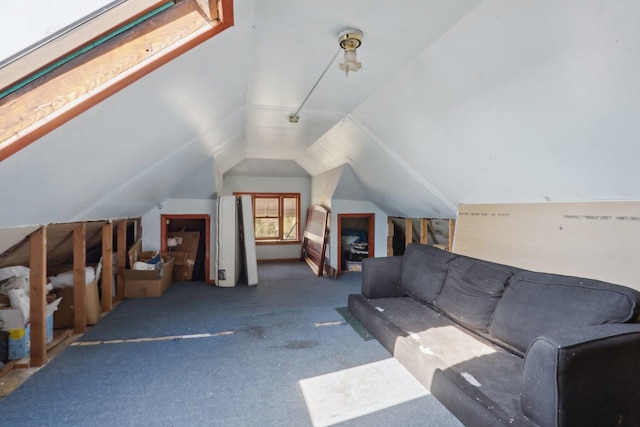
<point>277,242</point>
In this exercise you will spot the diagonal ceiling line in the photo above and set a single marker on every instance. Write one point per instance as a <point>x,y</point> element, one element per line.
<point>395,157</point>
<point>140,175</point>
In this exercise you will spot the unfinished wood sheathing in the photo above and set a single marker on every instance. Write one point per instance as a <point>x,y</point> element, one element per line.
<point>79,277</point>
<point>37,295</point>
<point>59,245</point>
<point>598,240</point>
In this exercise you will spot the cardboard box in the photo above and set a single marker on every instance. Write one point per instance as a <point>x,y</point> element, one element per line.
<point>139,283</point>
<point>20,335</point>
<point>180,269</point>
<point>63,317</point>
<point>190,241</point>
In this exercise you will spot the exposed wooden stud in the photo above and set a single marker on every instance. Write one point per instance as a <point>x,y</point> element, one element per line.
<point>79,278</point>
<point>107,267</point>
<point>390,234</point>
<point>121,258</point>
<point>408,237</point>
<point>452,228</point>
<point>424,231</point>
<point>37,292</point>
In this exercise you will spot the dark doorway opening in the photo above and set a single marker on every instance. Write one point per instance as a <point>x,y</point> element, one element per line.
<point>356,240</point>
<point>200,224</point>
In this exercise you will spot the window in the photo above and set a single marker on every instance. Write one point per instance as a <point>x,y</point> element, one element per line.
<point>276,217</point>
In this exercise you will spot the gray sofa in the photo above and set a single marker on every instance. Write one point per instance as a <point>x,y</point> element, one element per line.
<point>498,345</point>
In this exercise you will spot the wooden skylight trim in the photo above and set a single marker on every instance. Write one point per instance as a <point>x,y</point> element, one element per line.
<point>42,56</point>
<point>55,98</point>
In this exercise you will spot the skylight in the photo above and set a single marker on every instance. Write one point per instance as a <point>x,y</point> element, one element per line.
<point>28,23</point>
<point>84,62</point>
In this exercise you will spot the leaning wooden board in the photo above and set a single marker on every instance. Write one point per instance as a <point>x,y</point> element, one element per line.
<point>314,240</point>
<point>598,240</point>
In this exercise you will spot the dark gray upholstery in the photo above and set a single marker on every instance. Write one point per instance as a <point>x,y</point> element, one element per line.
<point>580,339</point>
<point>471,292</point>
<point>424,269</point>
<point>577,377</point>
<point>422,340</point>
<point>381,277</point>
<point>538,303</point>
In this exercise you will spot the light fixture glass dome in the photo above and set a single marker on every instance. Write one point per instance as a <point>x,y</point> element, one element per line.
<point>350,62</point>
<point>350,40</point>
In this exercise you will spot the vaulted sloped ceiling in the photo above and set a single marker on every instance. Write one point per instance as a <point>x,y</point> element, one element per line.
<point>457,102</point>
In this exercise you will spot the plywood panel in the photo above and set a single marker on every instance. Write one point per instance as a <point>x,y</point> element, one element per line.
<point>598,240</point>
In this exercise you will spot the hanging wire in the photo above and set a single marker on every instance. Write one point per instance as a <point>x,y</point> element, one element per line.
<point>293,118</point>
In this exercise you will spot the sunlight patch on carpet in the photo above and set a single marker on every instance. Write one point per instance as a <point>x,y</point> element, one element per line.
<point>352,393</point>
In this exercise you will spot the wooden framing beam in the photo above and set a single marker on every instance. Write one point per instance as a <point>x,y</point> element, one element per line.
<point>121,258</point>
<point>107,267</point>
<point>79,278</point>
<point>408,237</point>
<point>424,231</point>
<point>390,234</point>
<point>37,293</point>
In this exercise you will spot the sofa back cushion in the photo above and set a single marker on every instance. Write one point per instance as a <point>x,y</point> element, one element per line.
<point>423,271</point>
<point>534,304</point>
<point>472,290</point>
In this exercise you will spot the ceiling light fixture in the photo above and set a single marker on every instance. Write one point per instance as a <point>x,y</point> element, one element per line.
<point>349,40</point>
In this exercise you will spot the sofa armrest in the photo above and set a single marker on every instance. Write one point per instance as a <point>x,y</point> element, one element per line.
<point>381,277</point>
<point>584,377</point>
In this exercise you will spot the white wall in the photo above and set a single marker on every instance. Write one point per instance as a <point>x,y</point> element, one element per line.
<point>255,184</point>
<point>351,206</point>
<point>324,185</point>
<point>151,223</point>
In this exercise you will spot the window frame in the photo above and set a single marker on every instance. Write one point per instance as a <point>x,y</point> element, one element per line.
<point>75,86</point>
<point>280,197</point>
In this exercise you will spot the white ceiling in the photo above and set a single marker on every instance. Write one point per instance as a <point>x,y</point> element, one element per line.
<point>457,102</point>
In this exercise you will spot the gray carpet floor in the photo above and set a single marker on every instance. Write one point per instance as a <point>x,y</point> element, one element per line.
<point>274,354</point>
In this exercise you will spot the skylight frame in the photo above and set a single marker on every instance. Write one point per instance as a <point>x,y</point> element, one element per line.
<point>53,99</point>
<point>71,38</point>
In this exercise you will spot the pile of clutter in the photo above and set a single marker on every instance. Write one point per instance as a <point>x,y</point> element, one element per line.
<point>150,261</point>
<point>15,307</point>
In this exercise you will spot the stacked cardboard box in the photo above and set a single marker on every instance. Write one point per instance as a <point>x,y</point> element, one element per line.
<point>148,283</point>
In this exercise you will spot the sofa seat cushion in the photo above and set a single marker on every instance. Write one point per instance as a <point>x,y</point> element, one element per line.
<point>471,291</point>
<point>450,361</point>
<point>535,304</point>
<point>424,269</point>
